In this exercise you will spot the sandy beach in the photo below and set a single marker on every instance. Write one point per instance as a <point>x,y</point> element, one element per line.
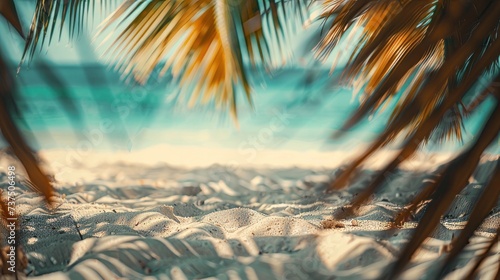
<point>138,217</point>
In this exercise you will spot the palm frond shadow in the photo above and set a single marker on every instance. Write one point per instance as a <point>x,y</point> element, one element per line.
<point>79,226</point>
<point>135,256</point>
<point>141,256</point>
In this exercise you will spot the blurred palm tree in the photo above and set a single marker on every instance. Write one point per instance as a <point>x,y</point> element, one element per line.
<point>436,50</point>
<point>9,110</point>
<point>439,50</point>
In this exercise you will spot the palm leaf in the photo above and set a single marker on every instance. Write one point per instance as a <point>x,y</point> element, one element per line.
<point>451,182</point>
<point>8,11</point>
<point>8,109</point>
<point>440,50</point>
<point>13,136</point>
<point>407,48</point>
<point>203,43</point>
<point>184,28</point>
<point>487,201</point>
<point>71,15</point>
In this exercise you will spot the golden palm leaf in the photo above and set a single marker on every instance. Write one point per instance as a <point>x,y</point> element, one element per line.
<point>198,35</point>
<point>203,42</point>
<point>440,49</point>
<point>405,45</point>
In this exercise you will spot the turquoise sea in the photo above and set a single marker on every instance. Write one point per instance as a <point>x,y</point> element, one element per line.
<point>294,109</point>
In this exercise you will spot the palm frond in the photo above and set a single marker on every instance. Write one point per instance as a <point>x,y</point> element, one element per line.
<point>269,26</point>
<point>203,43</point>
<point>487,201</point>
<point>9,12</point>
<point>14,137</point>
<point>406,45</point>
<point>64,14</point>
<point>198,33</point>
<point>454,178</point>
<point>8,108</point>
<point>440,50</point>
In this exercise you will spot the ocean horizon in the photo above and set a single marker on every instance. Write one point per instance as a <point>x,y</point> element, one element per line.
<point>288,113</point>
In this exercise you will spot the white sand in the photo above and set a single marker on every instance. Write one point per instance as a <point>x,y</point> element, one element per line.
<point>132,216</point>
